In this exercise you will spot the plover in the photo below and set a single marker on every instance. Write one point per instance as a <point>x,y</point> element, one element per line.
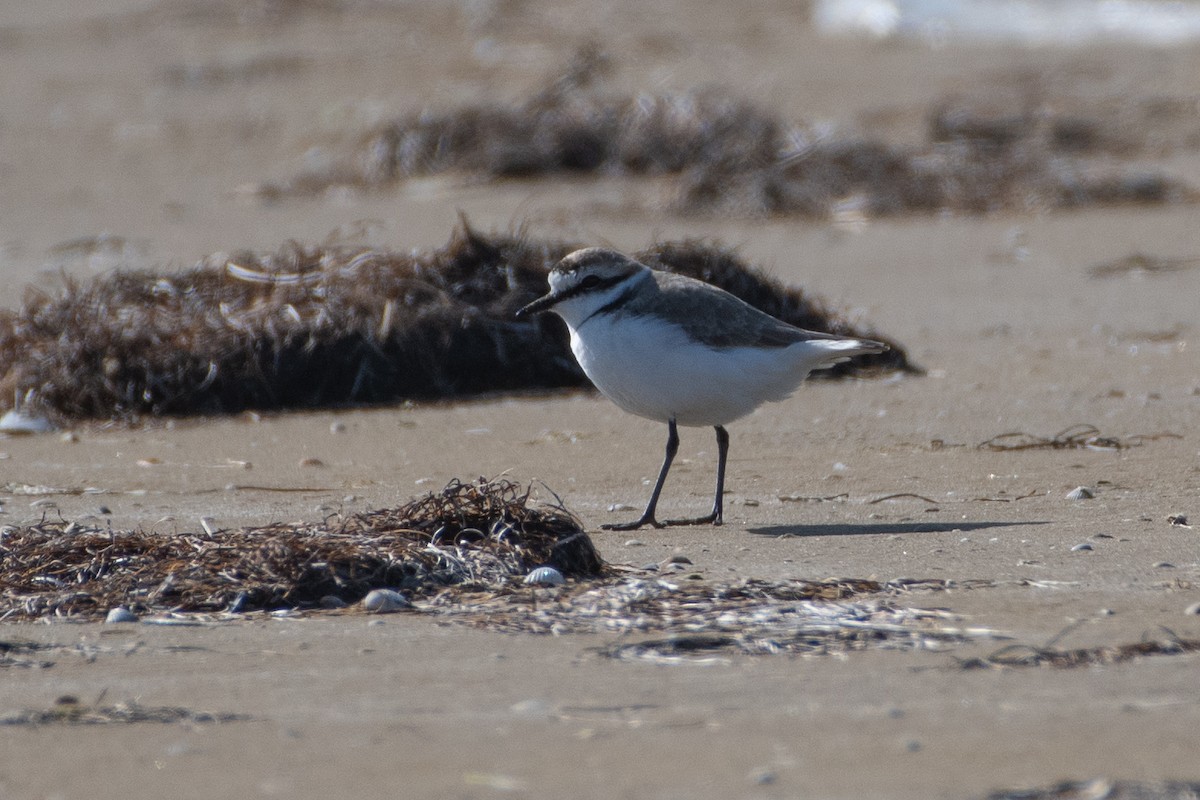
<point>680,351</point>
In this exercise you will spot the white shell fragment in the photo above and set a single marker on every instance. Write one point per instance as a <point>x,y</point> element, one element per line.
<point>17,422</point>
<point>385,601</point>
<point>1080,493</point>
<point>545,576</point>
<point>118,615</point>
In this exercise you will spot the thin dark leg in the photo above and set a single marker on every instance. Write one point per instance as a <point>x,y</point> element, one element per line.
<point>718,502</point>
<point>647,517</point>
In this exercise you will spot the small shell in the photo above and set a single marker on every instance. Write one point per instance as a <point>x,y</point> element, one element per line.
<point>1080,493</point>
<point>385,601</point>
<point>118,615</point>
<point>468,536</point>
<point>18,422</point>
<point>545,576</point>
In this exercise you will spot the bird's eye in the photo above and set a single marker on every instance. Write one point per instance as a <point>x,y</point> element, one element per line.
<point>590,282</point>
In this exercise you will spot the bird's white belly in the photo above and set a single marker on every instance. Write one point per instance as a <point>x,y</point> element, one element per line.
<point>655,370</point>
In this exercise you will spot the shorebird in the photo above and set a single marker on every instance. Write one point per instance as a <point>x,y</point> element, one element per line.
<point>680,351</point>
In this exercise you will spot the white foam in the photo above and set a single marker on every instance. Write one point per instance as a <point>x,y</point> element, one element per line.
<point>1158,23</point>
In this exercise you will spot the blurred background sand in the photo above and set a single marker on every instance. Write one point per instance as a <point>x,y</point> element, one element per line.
<point>130,135</point>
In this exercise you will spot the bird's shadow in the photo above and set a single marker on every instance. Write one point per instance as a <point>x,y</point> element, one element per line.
<point>878,528</point>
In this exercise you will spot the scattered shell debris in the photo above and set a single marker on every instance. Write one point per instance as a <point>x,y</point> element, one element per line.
<point>300,328</point>
<point>667,622</point>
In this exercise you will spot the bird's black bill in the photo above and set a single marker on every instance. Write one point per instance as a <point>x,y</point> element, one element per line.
<point>537,306</point>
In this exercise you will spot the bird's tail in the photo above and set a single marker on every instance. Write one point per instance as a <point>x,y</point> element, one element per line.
<point>835,351</point>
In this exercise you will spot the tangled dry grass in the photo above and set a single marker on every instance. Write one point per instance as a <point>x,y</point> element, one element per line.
<point>323,326</point>
<point>732,156</point>
<point>482,534</point>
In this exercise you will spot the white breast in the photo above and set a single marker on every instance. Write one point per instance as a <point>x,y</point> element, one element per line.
<point>653,369</point>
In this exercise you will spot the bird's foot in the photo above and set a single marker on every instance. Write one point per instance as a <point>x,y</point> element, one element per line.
<point>646,519</point>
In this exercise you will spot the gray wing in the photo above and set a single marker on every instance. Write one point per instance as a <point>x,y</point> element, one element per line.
<point>721,320</point>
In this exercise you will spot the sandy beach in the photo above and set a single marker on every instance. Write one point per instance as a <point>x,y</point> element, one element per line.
<point>131,135</point>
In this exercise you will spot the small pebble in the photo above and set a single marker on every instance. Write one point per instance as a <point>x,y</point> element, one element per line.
<point>620,507</point>
<point>763,777</point>
<point>332,601</point>
<point>678,558</point>
<point>118,615</point>
<point>1107,612</point>
<point>749,502</point>
<point>545,576</point>
<point>384,601</point>
<point>1164,565</point>
<point>311,462</point>
<point>1080,493</point>
<point>70,437</point>
<point>1081,547</point>
<point>337,427</point>
<point>634,543</point>
<point>1193,609</point>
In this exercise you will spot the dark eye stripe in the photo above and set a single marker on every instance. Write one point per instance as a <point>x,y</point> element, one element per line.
<point>590,285</point>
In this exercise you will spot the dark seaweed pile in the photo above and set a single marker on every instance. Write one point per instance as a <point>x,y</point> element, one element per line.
<point>480,535</point>
<point>732,156</point>
<point>312,326</point>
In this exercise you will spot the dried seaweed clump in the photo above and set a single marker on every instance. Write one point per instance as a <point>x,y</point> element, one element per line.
<point>68,710</point>
<point>1028,656</point>
<point>1105,789</point>
<point>479,535</point>
<point>731,155</point>
<point>311,327</point>
<point>572,125</point>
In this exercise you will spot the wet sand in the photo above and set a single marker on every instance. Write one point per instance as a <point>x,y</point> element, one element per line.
<point>102,135</point>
